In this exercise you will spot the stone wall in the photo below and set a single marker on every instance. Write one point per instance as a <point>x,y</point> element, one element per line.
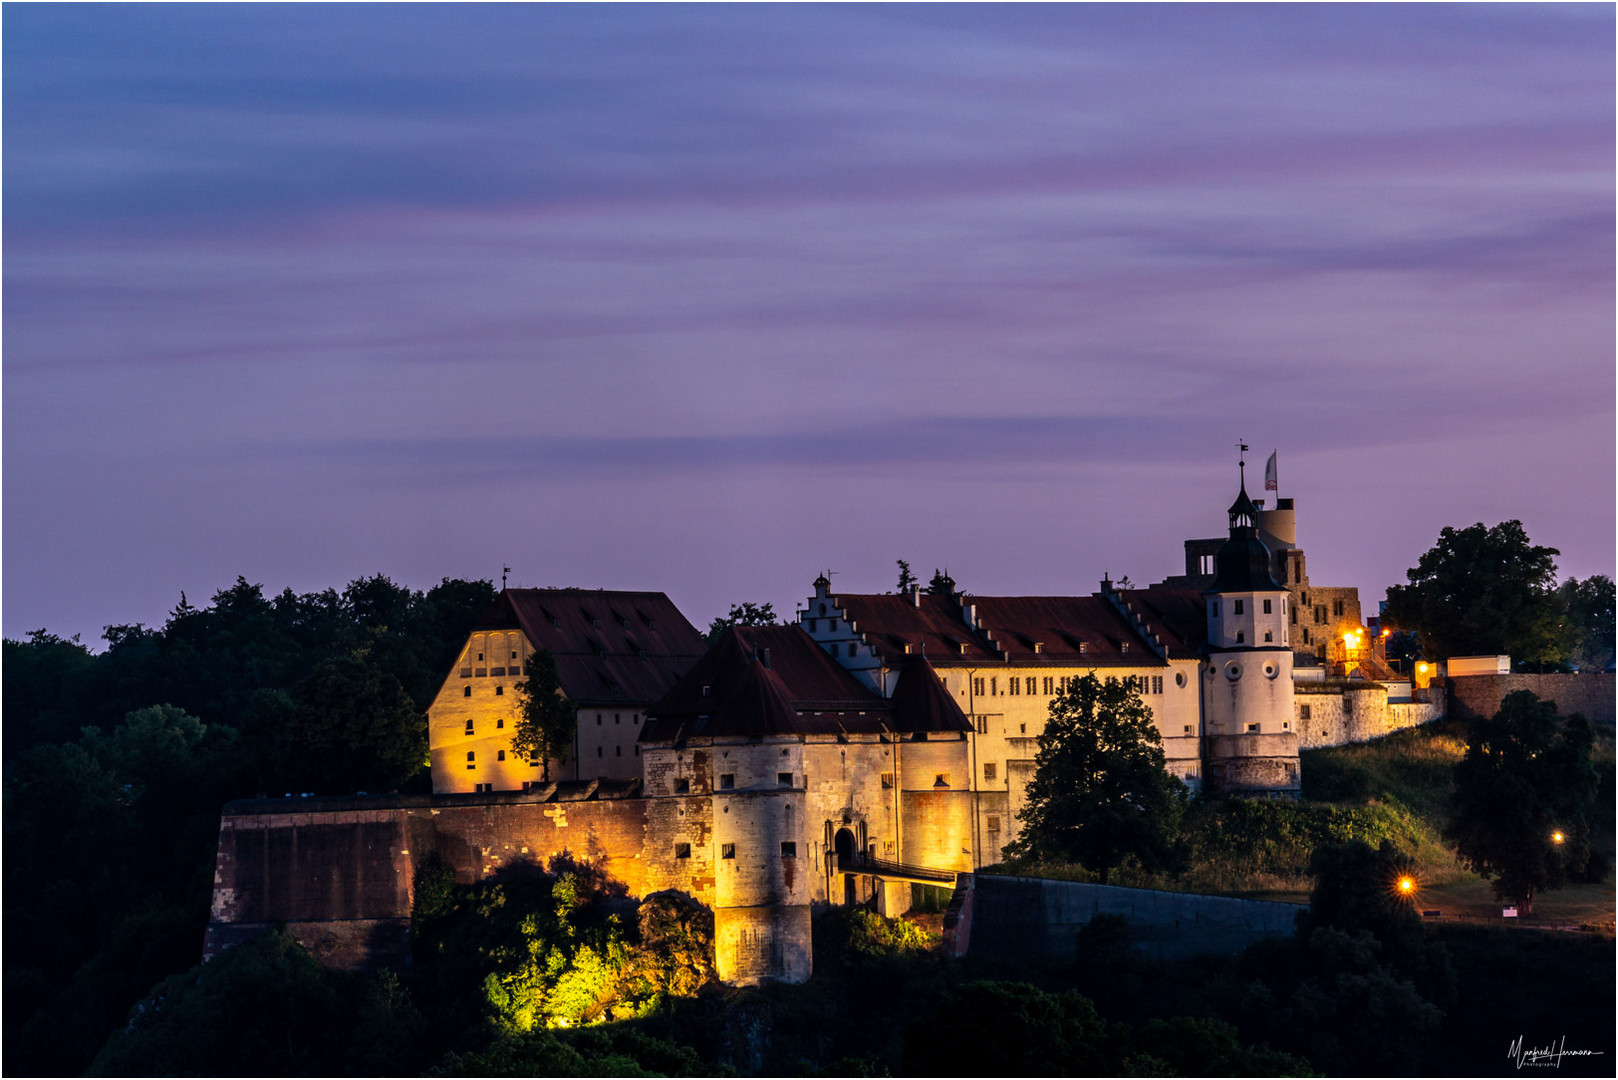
<point>340,872</point>
<point>1590,694</point>
<point>1336,714</point>
<point>1036,919</point>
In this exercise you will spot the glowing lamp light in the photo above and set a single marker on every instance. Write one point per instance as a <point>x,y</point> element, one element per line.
<point>1407,885</point>
<point>1557,837</point>
<point>1421,667</point>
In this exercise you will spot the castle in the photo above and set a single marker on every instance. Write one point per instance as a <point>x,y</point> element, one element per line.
<point>878,742</point>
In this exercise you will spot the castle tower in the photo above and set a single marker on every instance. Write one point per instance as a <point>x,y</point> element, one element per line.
<point>1251,746</point>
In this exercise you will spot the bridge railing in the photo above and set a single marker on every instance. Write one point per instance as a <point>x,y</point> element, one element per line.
<point>865,864</point>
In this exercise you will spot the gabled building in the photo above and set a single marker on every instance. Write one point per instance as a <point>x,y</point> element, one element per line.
<point>616,653</point>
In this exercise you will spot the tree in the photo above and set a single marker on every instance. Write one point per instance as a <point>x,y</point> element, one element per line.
<point>907,580</point>
<point>1100,789</point>
<point>546,720</point>
<point>1589,611</point>
<point>744,614</point>
<point>941,584</point>
<point>1525,798</point>
<point>1482,592</point>
<point>352,727</point>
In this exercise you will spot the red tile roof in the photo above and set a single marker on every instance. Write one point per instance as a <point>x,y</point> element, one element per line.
<point>803,691</point>
<point>1177,616</point>
<point>617,648</point>
<point>1066,630</point>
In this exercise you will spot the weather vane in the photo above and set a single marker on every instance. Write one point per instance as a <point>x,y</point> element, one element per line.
<point>504,570</point>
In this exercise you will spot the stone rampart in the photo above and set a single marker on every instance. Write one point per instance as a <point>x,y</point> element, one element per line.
<point>1340,713</point>
<point>1037,919</point>
<point>340,872</point>
<point>1590,694</point>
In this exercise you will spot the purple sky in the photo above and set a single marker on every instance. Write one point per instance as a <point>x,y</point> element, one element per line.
<point>707,299</point>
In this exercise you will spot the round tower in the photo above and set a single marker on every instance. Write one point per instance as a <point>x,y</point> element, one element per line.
<point>1247,684</point>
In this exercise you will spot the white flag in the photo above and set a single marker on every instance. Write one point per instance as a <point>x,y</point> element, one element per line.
<point>1270,483</point>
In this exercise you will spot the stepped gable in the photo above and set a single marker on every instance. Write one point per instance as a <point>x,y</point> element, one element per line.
<point>731,692</point>
<point>930,626</point>
<point>1178,617</point>
<point>610,647</point>
<point>1059,625</point>
<point>920,702</point>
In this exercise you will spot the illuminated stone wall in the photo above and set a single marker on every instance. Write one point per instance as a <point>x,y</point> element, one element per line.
<point>1338,715</point>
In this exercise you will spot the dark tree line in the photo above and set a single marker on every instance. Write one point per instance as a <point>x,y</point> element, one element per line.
<point>117,764</point>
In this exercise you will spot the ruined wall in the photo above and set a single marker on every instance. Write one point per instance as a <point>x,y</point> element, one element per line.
<point>1257,764</point>
<point>1590,694</point>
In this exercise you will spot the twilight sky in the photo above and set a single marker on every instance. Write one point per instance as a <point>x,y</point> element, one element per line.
<point>707,299</point>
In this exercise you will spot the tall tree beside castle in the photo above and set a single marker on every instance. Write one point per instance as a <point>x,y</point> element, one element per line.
<point>1481,592</point>
<point>546,720</point>
<point>1100,791</point>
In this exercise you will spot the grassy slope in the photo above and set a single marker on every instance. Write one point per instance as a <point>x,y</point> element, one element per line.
<point>1395,788</point>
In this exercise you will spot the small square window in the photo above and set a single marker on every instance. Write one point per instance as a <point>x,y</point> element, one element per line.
<point>1303,712</point>
<point>471,755</point>
<point>887,780</point>
<point>989,770</point>
<point>682,851</point>
<point>682,787</point>
<point>1252,729</point>
<point>994,823</point>
<point>789,849</point>
<point>1190,730</point>
<point>727,781</point>
<point>727,851</point>
<point>783,779</point>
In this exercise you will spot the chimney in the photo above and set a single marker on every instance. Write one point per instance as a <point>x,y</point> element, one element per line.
<point>766,658</point>
<point>915,596</point>
<point>971,613</point>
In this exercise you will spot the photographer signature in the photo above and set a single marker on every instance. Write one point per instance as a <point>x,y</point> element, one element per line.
<point>1542,1057</point>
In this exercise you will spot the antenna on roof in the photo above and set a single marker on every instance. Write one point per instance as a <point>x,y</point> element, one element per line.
<point>504,570</point>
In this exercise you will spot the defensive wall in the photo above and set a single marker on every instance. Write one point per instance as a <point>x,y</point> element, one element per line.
<point>1038,920</point>
<point>340,872</point>
<point>1590,694</point>
<point>1340,713</point>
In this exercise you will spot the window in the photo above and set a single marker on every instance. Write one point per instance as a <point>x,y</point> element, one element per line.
<point>812,626</point>
<point>783,779</point>
<point>1190,729</point>
<point>1015,684</point>
<point>682,851</point>
<point>994,822</point>
<point>887,780</point>
<point>617,718</point>
<point>1240,637</point>
<point>466,691</point>
<point>601,751</point>
<point>1252,729</point>
<point>499,691</point>
<point>637,751</point>
<point>977,687</point>
<point>851,648</point>
<point>469,727</point>
<point>1293,616</point>
<point>1266,607</point>
<point>789,849</point>
<point>682,787</point>
<point>618,751</point>
<point>1214,606</point>
<point>727,781</point>
<point>1303,712</point>
<point>1337,607</point>
<point>1179,679</point>
<point>1022,729</point>
<point>1046,683</point>
<point>989,770</point>
<point>1320,614</point>
<point>823,609</point>
<point>1157,684</point>
<point>994,689</point>
<point>480,656</point>
<point>1268,636</point>
<point>1084,646</point>
<point>1235,607</point>
<point>980,724</point>
<point>500,755</point>
<point>941,780</point>
<point>500,723</point>
<point>598,716</point>
<point>1286,725</point>
<point>471,757</point>
<point>727,851</point>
